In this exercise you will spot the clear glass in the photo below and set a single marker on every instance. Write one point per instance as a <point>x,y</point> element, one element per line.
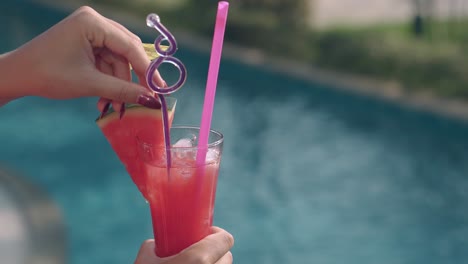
<point>181,197</point>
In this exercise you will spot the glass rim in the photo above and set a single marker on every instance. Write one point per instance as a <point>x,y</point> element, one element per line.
<point>211,145</point>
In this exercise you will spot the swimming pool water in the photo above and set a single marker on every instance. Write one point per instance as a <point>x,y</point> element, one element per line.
<point>309,174</point>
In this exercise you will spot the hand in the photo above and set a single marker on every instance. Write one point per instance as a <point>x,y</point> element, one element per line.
<point>85,54</point>
<point>214,249</point>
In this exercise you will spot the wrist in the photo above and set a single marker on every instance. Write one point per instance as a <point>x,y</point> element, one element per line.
<point>15,75</point>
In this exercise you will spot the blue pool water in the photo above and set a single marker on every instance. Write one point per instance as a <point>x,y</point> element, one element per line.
<point>309,174</point>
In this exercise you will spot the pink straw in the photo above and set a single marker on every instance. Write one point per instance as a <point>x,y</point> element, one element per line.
<point>213,70</point>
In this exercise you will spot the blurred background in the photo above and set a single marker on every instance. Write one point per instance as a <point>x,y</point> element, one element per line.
<point>416,43</point>
<point>345,125</point>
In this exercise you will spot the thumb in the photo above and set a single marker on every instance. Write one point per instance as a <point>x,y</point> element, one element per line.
<point>119,90</point>
<point>147,255</point>
<point>208,250</point>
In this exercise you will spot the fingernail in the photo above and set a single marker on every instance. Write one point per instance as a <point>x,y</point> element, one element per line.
<point>122,110</point>
<point>149,101</point>
<point>104,111</point>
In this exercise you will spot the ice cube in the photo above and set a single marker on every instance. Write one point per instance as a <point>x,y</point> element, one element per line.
<point>185,150</point>
<point>183,143</point>
<point>212,155</point>
<point>186,142</point>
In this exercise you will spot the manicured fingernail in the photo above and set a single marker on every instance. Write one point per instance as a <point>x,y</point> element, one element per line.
<point>122,110</point>
<point>104,110</point>
<point>149,101</point>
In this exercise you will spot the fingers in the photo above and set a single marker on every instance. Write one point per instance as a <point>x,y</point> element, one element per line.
<point>4,101</point>
<point>129,47</point>
<point>103,106</point>
<point>214,249</point>
<point>114,65</point>
<point>118,90</point>
<point>120,69</point>
<point>146,254</point>
<point>157,77</point>
<point>121,27</point>
<point>103,103</point>
<point>215,229</point>
<point>226,259</point>
<point>119,65</point>
<point>211,249</point>
<point>103,34</point>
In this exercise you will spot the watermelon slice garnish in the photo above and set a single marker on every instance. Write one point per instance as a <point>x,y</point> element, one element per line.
<point>121,133</point>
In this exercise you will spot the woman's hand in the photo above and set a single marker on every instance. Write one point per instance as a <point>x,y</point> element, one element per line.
<point>85,54</point>
<point>214,249</point>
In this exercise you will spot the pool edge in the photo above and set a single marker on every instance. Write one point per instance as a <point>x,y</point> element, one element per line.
<point>43,219</point>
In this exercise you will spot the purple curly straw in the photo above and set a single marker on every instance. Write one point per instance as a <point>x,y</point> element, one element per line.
<point>153,20</point>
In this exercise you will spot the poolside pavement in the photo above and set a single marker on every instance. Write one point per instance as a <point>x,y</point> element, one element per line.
<point>329,13</point>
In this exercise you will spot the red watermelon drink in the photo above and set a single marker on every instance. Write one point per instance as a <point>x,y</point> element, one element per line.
<point>181,197</point>
<point>176,169</point>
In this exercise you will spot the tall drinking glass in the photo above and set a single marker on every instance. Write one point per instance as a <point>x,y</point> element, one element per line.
<point>181,196</point>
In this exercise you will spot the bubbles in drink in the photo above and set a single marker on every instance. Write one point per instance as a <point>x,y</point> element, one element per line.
<point>186,173</point>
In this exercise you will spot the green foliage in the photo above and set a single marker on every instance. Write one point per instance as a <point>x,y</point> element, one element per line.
<point>440,67</point>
